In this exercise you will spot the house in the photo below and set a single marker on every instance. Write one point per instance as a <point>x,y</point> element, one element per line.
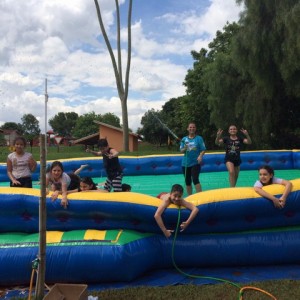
<point>114,136</point>
<point>9,136</point>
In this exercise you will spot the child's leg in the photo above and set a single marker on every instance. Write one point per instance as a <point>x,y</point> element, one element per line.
<point>108,185</point>
<point>80,169</point>
<point>117,184</point>
<point>237,171</point>
<point>231,173</point>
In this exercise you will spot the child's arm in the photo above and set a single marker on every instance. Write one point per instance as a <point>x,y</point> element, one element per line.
<point>183,146</point>
<point>247,140</point>
<point>93,152</point>
<point>32,164</point>
<point>159,220</point>
<point>113,153</point>
<point>194,211</point>
<point>269,196</point>
<point>95,191</point>
<point>64,193</point>
<point>219,139</point>
<point>9,173</point>
<point>288,187</point>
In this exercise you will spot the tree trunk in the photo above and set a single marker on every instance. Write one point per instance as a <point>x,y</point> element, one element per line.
<point>122,88</point>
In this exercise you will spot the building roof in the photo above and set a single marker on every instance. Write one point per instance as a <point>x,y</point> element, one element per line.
<point>94,138</point>
<point>115,128</point>
<point>91,139</point>
<point>9,131</point>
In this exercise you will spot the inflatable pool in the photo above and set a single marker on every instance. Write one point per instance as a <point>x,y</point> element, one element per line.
<point>111,237</point>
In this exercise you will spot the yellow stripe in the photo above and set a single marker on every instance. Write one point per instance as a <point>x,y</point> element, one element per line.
<point>118,236</point>
<point>229,194</point>
<point>53,236</point>
<point>92,234</point>
<point>210,196</point>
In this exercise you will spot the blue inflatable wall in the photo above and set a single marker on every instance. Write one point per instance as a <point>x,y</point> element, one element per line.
<point>171,164</point>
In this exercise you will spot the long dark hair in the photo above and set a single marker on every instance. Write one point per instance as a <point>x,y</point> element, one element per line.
<point>55,164</point>
<point>89,181</point>
<point>270,170</point>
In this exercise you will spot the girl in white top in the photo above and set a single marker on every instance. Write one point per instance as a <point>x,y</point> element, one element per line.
<point>266,177</point>
<point>20,165</point>
<point>61,182</point>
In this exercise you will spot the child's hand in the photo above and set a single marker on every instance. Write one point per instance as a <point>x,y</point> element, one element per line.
<point>16,183</point>
<point>282,201</point>
<point>168,233</point>
<point>219,132</point>
<point>244,131</point>
<point>277,203</point>
<point>54,195</point>
<point>183,226</point>
<point>64,202</point>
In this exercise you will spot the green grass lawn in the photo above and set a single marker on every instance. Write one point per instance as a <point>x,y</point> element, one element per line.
<point>278,289</point>
<point>77,151</point>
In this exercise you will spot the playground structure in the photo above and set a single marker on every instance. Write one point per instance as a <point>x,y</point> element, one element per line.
<point>111,237</point>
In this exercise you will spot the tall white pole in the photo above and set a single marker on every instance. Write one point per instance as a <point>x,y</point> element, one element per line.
<point>46,101</point>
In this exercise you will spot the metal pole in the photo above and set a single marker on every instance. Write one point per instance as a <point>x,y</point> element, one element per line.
<point>46,101</point>
<point>42,223</point>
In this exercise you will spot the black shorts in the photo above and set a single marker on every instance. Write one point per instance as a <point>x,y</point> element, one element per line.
<point>75,182</point>
<point>236,161</point>
<point>26,182</point>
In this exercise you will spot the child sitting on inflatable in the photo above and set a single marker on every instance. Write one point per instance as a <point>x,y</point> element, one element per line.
<point>174,197</point>
<point>266,177</point>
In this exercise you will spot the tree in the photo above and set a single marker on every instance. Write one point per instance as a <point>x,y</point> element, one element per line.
<point>64,123</point>
<point>172,116</point>
<point>85,124</point>
<point>12,126</point>
<point>31,127</point>
<point>152,130</point>
<point>111,119</point>
<point>118,70</point>
<point>223,81</point>
<point>267,50</point>
<point>194,106</point>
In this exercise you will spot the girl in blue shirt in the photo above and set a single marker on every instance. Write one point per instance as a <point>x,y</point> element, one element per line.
<point>193,147</point>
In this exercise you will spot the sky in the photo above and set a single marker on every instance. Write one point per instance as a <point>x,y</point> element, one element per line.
<point>62,41</point>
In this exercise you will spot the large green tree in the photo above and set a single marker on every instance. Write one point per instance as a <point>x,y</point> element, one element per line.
<point>267,50</point>
<point>225,84</point>
<point>64,123</point>
<point>111,119</point>
<point>12,126</point>
<point>172,116</point>
<point>152,130</point>
<point>31,126</point>
<point>85,124</point>
<point>204,82</point>
<point>249,76</point>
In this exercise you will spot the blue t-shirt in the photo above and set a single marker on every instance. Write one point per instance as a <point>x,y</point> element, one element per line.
<point>195,146</point>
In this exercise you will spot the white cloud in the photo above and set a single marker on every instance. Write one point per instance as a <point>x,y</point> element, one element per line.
<point>58,40</point>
